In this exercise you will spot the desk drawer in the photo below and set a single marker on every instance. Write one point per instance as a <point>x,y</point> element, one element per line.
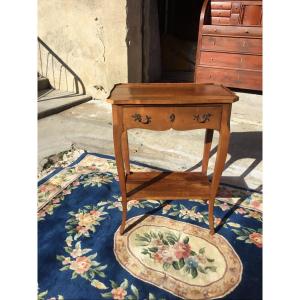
<point>230,77</point>
<point>228,44</point>
<point>238,31</point>
<point>220,5</point>
<point>176,117</point>
<point>220,13</point>
<point>220,20</point>
<point>231,60</point>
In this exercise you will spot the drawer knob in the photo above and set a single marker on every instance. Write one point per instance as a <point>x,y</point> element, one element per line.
<point>172,118</point>
<point>139,118</point>
<point>202,118</point>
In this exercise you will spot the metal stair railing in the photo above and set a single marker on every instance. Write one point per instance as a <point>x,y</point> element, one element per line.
<point>46,58</point>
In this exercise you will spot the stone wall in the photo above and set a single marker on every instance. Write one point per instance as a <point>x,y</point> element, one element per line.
<point>100,40</point>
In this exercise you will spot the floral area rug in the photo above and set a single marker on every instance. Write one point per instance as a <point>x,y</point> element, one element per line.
<point>166,253</point>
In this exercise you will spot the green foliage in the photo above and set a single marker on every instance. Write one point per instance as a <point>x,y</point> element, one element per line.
<point>124,284</point>
<point>194,272</point>
<point>175,265</point>
<point>134,291</point>
<point>42,295</point>
<point>186,240</point>
<point>107,295</point>
<point>202,250</point>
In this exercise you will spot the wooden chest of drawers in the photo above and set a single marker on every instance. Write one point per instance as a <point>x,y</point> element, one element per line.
<point>229,50</point>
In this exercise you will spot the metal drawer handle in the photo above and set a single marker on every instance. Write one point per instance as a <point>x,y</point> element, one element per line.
<point>144,120</point>
<point>202,118</point>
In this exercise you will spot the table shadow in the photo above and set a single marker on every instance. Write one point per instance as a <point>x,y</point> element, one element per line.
<point>242,145</point>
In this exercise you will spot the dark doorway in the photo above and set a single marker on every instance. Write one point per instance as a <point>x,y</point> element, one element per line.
<point>178,23</point>
<point>170,35</point>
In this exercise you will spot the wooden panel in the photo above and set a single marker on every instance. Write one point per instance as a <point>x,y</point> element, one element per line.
<point>220,13</point>
<point>176,117</point>
<point>232,30</point>
<point>231,78</point>
<point>220,5</point>
<point>228,44</point>
<point>170,93</point>
<point>230,60</point>
<point>167,185</point>
<point>220,20</point>
<point>252,15</point>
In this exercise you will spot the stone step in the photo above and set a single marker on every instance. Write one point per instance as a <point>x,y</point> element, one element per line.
<point>53,101</point>
<point>43,83</point>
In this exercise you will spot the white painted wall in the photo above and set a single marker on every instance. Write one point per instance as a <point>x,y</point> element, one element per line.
<point>92,37</point>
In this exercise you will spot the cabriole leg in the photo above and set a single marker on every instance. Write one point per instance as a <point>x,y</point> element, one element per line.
<point>220,163</point>
<point>206,151</point>
<point>117,135</point>
<point>125,149</point>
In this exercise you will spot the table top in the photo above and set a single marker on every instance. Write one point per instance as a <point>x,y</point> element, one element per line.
<point>170,93</point>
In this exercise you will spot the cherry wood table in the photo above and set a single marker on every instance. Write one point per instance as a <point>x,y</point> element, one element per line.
<point>162,106</point>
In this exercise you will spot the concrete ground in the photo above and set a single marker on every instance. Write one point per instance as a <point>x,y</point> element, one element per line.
<point>52,101</point>
<point>89,127</point>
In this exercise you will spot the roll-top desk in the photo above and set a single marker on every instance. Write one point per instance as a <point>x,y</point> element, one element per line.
<point>229,49</point>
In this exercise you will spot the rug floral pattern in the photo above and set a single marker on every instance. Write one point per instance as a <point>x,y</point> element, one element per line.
<point>179,257</point>
<point>79,212</point>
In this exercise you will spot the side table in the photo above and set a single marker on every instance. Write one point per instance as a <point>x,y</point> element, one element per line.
<point>162,106</point>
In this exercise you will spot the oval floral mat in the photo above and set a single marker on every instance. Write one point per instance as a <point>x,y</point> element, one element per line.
<point>179,257</point>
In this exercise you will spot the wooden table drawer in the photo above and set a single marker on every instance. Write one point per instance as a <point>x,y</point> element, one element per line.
<point>229,77</point>
<point>220,5</point>
<point>230,44</point>
<point>231,60</point>
<point>176,117</point>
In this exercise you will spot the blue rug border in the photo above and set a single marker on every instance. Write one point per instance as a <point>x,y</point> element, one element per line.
<point>83,155</point>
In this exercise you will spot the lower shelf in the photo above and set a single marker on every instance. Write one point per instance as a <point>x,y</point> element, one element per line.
<point>167,185</point>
